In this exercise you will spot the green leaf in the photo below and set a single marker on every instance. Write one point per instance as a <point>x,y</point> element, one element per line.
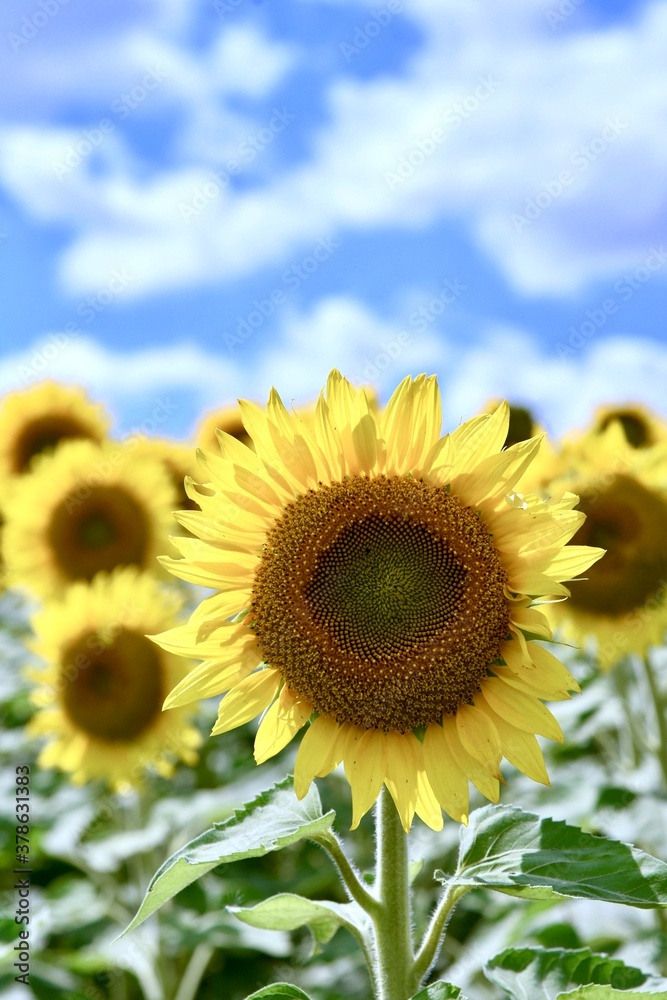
<point>275,819</point>
<point>607,993</point>
<point>440,991</point>
<point>287,912</point>
<point>535,972</point>
<point>519,853</point>
<point>278,992</point>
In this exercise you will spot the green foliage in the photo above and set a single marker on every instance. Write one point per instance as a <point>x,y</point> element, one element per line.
<point>440,991</point>
<point>275,819</point>
<point>279,991</point>
<point>519,853</point>
<point>288,912</point>
<point>546,973</point>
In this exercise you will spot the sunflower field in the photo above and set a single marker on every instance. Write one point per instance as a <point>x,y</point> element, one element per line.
<point>333,702</point>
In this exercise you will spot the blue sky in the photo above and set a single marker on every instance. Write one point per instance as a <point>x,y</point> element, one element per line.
<point>201,198</point>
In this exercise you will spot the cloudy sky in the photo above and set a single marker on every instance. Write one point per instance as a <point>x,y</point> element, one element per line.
<point>202,198</point>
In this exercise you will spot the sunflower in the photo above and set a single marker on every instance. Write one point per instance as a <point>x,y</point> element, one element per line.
<point>177,459</point>
<point>34,421</point>
<point>381,578</point>
<point>85,509</point>
<point>641,427</point>
<point>622,606</point>
<point>101,692</point>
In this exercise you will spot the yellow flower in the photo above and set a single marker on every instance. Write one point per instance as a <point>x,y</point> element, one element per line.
<point>101,692</point>
<point>85,509</point>
<point>641,427</point>
<point>622,606</point>
<point>35,420</point>
<point>386,576</point>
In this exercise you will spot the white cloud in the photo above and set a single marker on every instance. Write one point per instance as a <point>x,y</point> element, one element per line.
<point>296,353</point>
<point>518,104</point>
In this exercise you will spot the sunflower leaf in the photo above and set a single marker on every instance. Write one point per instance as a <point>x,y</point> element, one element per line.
<point>548,972</point>
<point>439,991</point>
<point>288,911</point>
<point>608,993</point>
<point>279,991</point>
<point>518,853</point>
<point>275,819</point>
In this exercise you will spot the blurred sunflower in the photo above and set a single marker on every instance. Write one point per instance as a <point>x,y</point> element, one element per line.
<point>177,459</point>
<point>641,427</point>
<point>34,421</point>
<point>385,575</point>
<point>101,693</point>
<point>227,419</point>
<point>622,604</point>
<point>85,509</point>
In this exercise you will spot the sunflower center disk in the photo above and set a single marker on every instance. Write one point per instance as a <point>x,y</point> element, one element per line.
<point>98,528</point>
<point>381,601</point>
<point>113,691</point>
<point>629,521</point>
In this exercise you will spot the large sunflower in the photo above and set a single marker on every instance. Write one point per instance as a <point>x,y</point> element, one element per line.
<point>86,509</point>
<point>225,418</point>
<point>385,577</point>
<point>101,692</point>
<point>34,421</point>
<point>522,426</point>
<point>176,458</point>
<point>622,605</point>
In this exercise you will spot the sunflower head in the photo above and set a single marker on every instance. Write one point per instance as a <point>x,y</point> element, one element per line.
<point>84,510</point>
<point>641,427</point>
<point>386,577</point>
<point>101,690</point>
<point>621,607</point>
<point>34,421</point>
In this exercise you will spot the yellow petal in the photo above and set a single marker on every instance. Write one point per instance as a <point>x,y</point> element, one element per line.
<point>479,438</point>
<point>247,699</point>
<point>473,770</point>
<point>520,709</point>
<point>447,780</point>
<point>318,753</point>
<point>427,808</point>
<point>403,763</point>
<point>365,756</point>
<point>521,748</point>
<point>211,678</point>
<point>479,737</point>
<point>573,560</point>
<point>281,723</point>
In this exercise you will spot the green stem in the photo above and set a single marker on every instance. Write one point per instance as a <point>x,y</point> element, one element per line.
<point>660,712</point>
<point>194,971</point>
<point>353,884</point>
<point>432,941</point>
<point>392,921</point>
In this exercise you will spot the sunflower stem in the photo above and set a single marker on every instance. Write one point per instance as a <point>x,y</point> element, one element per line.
<point>357,891</point>
<point>393,930</point>
<point>432,941</point>
<point>660,713</point>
